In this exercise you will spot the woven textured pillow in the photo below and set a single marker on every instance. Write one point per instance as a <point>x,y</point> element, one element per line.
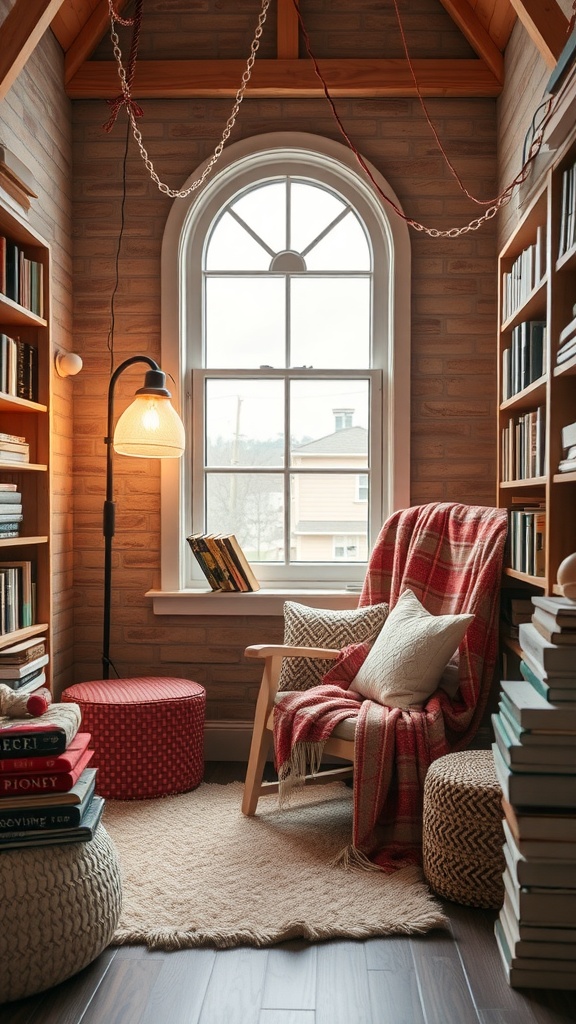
<point>322,627</point>
<point>410,654</point>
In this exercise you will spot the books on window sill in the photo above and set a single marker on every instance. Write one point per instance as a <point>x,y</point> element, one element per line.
<point>223,562</point>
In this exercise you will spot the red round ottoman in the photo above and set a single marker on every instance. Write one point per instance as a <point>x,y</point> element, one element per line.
<point>147,734</point>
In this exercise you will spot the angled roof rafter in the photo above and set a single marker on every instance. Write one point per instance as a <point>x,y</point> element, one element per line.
<point>546,24</point>
<point>22,29</point>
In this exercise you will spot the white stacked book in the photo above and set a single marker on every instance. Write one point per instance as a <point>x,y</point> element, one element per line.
<point>535,760</point>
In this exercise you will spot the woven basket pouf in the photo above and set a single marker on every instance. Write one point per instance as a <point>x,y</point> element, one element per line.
<point>463,838</point>
<point>147,734</point>
<point>60,907</point>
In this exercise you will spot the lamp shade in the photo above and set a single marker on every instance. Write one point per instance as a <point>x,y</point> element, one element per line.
<point>150,428</point>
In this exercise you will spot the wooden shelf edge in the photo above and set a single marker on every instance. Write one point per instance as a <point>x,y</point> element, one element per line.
<point>564,478</point>
<point>11,542</point>
<point>534,581</point>
<point>22,634</point>
<point>533,481</point>
<point>21,404</point>
<point>26,467</point>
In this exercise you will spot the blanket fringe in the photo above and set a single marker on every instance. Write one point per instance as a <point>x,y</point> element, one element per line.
<point>352,859</point>
<point>305,758</point>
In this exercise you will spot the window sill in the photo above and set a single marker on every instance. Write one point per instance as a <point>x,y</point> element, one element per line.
<point>261,602</point>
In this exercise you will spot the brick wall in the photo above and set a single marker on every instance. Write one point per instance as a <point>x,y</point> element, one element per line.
<point>454,296</point>
<point>35,126</point>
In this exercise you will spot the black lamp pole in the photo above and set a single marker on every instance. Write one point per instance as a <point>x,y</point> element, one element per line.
<point>154,384</point>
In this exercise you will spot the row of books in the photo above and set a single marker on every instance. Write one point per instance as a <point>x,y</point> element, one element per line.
<point>567,341</point>
<point>527,540</point>
<point>523,446</point>
<point>23,664</point>
<point>568,211</point>
<point>524,361</point>
<point>17,595</point>
<point>18,368</point>
<point>526,273</point>
<point>47,785</point>
<point>535,759</point>
<point>21,278</point>
<point>567,463</point>
<point>223,562</point>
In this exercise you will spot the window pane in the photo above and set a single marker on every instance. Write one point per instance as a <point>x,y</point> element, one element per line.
<point>245,322</point>
<point>343,248</point>
<point>231,247</point>
<point>264,210</point>
<point>244,423</point>
<point>323,509</point>
<point>330,323</point>
<point>250,505</point>
<point>312,210</point>
<point>329,423</point>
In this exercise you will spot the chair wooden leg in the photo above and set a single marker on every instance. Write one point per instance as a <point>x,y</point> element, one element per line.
<point>255,770</point>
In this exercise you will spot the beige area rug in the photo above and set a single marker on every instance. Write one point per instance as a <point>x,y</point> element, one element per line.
<point>196,872</point>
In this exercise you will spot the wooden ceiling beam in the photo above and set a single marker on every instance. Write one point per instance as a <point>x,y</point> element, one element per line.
<point>478,37</point>
<point>546,24</point>
<point>88,38</point>
<point>369,78</point>
<point>22,30</point>
<point>286,30</point>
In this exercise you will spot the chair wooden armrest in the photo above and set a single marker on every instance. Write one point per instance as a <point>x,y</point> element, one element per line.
<point>272,654</point>
<point>286,651</point>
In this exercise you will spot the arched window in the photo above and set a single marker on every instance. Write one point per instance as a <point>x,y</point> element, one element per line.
<point>285,323</point>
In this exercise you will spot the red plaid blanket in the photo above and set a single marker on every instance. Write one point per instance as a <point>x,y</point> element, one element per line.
<point>450,556</point>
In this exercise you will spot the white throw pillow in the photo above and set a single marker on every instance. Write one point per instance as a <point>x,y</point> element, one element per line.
<point>409,654</point>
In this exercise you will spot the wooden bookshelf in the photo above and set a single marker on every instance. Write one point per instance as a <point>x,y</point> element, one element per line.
<point>548,227</point>
<point>30,418</point>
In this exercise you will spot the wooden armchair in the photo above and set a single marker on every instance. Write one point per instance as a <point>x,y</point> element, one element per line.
<point>340,744</point>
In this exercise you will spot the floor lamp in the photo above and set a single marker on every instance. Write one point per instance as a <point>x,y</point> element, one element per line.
<point>149,428</point>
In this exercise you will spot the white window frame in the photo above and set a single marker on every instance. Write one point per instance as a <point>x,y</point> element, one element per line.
<point>186,229</point>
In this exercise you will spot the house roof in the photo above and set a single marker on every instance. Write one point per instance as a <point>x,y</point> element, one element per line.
<point>79,26</point>
<point>348,441</point>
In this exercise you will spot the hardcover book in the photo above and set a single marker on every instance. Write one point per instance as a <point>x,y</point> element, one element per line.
<point>557,691</point>
<point>530,871</point>
<point>81,833</point>
<point>561,608</point>
<point>554,940</point>
<point>532,973</point>
<point>26,651</point>
<point>49,734</point>
<point>540,825</point>
<point>41,801</point>
<point>539,905</point>
<point>529,789</point>
<point>548,758</point>
<point>26,783</point>
<point>8,672</point>
<point>532,711</point>
<point>59,763</point>
<point>550,656</point>
<point>55,815</point>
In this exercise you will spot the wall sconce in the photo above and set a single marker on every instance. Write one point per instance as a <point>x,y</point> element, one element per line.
<point>68,364</point>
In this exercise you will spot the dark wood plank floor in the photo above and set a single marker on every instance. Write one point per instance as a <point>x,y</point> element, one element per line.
<point>440,978</point>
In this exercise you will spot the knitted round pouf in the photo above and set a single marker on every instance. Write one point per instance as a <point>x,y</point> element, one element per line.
<point>147,734</point>
<point>463,837</point>
<point>59,909</point>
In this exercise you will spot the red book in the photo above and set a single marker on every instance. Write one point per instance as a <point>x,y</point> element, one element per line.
<point>34,784</point>
<point>50,763</point>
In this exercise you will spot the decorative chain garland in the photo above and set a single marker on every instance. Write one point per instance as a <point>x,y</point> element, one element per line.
<point>133,110</point>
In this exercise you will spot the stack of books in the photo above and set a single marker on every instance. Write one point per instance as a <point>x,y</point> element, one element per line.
<point>223,562</point>
<point>14,448</point>
<point>535,761</point>
<point>10,509</point>
<point>23,665</point>
<point>47,789</point>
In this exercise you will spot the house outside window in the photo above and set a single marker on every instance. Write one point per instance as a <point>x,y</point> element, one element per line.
<point>283,346</point>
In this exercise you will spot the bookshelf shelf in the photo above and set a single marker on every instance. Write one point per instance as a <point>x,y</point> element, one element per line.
<point>22,634</point>
<point>27,373</point>
<point>546,231</point>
